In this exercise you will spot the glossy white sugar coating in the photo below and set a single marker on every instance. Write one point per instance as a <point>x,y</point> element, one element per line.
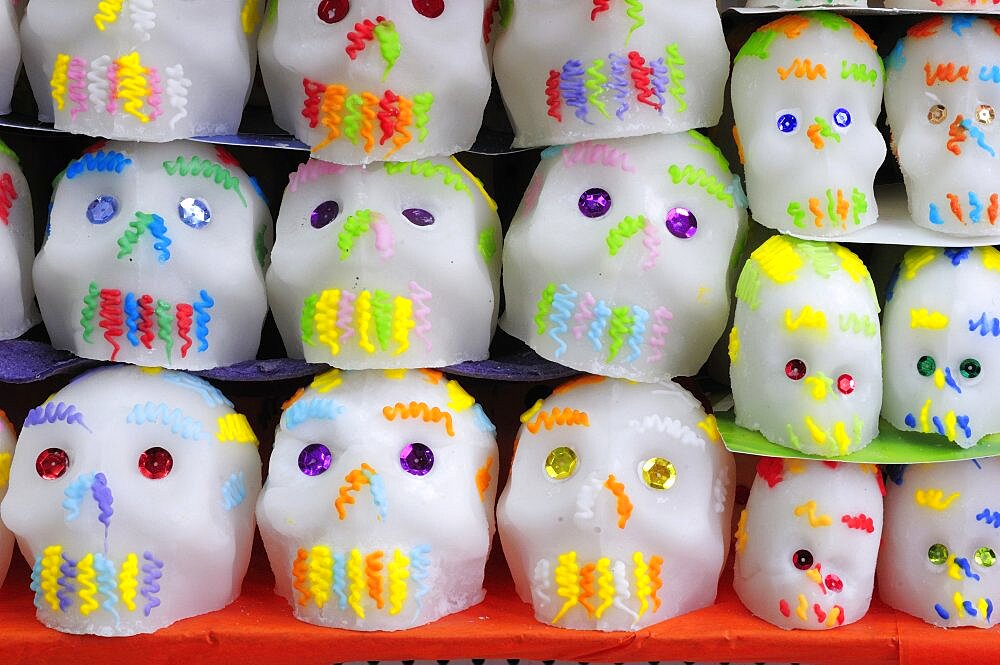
<point>7,438</point>
<point>377,79</point>
<point>633,292</point>
<point>17,249</point>
<point>938,559</point>
<point>174,277</point>
<point>114,551</point>
<point>941,103</point>
<point>570,71</point>
<point>807,543</point>
<point>389,265</point>
<point>10,52</point>
<point>942,343</point>
<point>806,91</point>
<point>805,348</point>
<point>616,515</point>
<point>393,530</point>
<point>143,69</point>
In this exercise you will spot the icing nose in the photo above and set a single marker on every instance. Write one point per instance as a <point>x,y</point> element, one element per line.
<point>814,136</point>
<point>622,504</point>
<point>819,385</point>
<point>354,482</point>
<point>939,380</point>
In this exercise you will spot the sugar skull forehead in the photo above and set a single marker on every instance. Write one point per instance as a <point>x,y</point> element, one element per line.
<point>145,70</point>
<point>155,256</point>
<point>807,543</point>
<point>132,495</point>
<point>612,484</point>
<point>941,353</point>
<point>384,481</point>
<point>17,249</point>
<point>940,544</point>
<point>941,105</point>
<point>806,91</point>
<point>390,265</point>
<point>572,71</point>
<point>805,347</point>
<point>617,259</point>
<point>368,80</point>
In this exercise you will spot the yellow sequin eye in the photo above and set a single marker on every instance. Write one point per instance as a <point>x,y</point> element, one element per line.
<point>937,114</point>
<point>985,557</point>
<point>937,554</point>
<point>985,114</point>
<point>659,473</point>
<point>561,463</point>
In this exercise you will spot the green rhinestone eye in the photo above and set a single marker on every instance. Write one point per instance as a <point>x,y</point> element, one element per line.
<point>926,365</point>
<point>985,557</point>
<point>937,554</point>
<point>970,368</point>
<point>561,463</point>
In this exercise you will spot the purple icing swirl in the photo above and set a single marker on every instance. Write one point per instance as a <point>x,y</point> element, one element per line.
<point>150,585</point>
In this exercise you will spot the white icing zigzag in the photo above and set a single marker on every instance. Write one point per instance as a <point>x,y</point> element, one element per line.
<point>143,17</point>
<point>97,79</point>
<point>674,428</point>
<point>177,92</point>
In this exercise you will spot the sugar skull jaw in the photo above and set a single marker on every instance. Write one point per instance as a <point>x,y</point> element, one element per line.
<point>830,439</point>
<point>962,610</point>
<point>833,210</point>
<point>957,428</point>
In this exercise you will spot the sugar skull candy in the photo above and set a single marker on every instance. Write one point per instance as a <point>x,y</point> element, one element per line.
<point>10,52</point>
<point>940,101</point>
<point>571,71</point>
<point>807,543</point>
<point>942,343</point>
<point>616,262</point>
<point>392,265</point>
<point>132,494</point>
<point>617,512</point>
<point>17,249</point>
<point>366,80</point>
<point>145,70</point>
<point>155,257</point>
<point>378,508</point>
<point>805,347</point>
<point>941,543</point>
<point>7,438</point>
<point>806,91</point>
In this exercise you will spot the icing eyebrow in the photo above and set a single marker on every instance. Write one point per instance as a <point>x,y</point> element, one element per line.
<point>921,318</point>
<point>419,410</point>
<point>808,510</point>
<point>196,166</point>
<point>535,418</point>
<point>990,517</point>
<point>100,161</point>
<point>598,154</point>
<point>161,414</point>
<point>54,412</point>
<point>449,176</point>
<point>306,410</point>
<point>807,317</point>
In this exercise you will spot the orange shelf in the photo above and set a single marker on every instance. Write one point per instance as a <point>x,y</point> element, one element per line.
<point>259,628</point>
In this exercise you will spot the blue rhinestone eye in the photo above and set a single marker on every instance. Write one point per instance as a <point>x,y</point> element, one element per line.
<point>594,203</point>
<point>324,213</point>
<point>194,212</point>
<point>418,216</point>
<point>102,209</point>
<point>787,123</point>
<point>842,118</point>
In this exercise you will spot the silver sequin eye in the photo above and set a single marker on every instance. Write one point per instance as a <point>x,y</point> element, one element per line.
<point>194,212</point>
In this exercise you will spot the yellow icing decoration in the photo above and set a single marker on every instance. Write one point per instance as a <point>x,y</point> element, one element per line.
<point>734,344</point>
<point>800,611</point>
<point>841,437</point>
<point>85,575</point>
<point>234,428</point>
<point>402,323</point>
<point>568,580</point>
<point>107,12</point>
<point>398,572</point>
<point>478,183</point>
<point>320,574</point>
<point>355,573</point>
<point>921,318</point>
<point>127,583</point>
<point>530,413</point>
<point>133,85</point>
<point>59,81</point>
<point>710,426</point>
<point>395,374</point>
<point>4,469</point>
<point>809,510</point>
<point>924,420</point>
<point>818,435</point>
<point>741,532</point>
<point>326,381</point>
<point>778,259</point>
<point>458,399</point>
<point>851,264</point>
<point>326,319</point>
<point>991,258</point>
<point>363,319</point>
<point>917,258</point>
<point>934,499</point>
<point>250,15</point>
<point>51,559</point>
<point>643,583</point>
<point>807,317</point>
<point>605,586</point>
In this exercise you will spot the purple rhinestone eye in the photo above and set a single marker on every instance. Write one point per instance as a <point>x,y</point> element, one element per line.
<point>418,216</point>
<point>324,213</point>
<point>595,202</point>
<point>682,223</point>
<point>315,459</point>
<point>416,459</point>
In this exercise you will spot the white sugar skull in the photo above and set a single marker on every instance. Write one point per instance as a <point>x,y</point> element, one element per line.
<point>378,508</point>
<point>616,262</point>
<point>10,52</point>
<point>805,348</point>
<point>7,438</point>
<point>942,343</point>
<point>571,71</point>
<point>941,543</point>
<point>17,249</point>
<point>940,101</point>
<point>395,264</point>
<point>132,494</point>
<point>155,257</point>
<point>806,91</point>
<point>366,80</point>
<point>150,70</point>
<point>807,542</point>
<point>618,490</point>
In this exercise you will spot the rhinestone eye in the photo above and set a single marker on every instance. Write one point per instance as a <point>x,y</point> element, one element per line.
<point>682,223</point>
<point>787,123</point>
<point>594,203</point>
<point>795,369</point>
<point>970,368</point>
<point>802,559</point>
<point>926,366</point>
<point>429,8</point>
<point>156,463</point>
<point>659,473</point>
<point>418,217</point>
<point>52,463</point>
<point>194,212</point>
<point>845,384</point>
<point>324,213</point>
<point>333,11</point>
<point>985,114</point>
<point>561,463</point>
<point>985,557</point>
<point>937,554</point>
<point>834,583</point>
<point>315,459</point>
<point>937,114</point>
<point>842,118</point>
<point>416,459</point>
<point>102,210</point>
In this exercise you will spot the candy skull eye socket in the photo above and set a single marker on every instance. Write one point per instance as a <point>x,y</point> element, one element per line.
<point>795,369</point>
<point>937,554</point>
<point>842,117</point>
<point>561,463</point>
<point>802,559</point>
<point>937,114</point>
<point>658,473</point>
<point>416,459</point>
<point>52,463</point>
<point>429,8</point>
<point>985,557</point>
<point>324,213</point>
<point>333,11</point>
<point>418,217</point>
<point>682,223</point>
<point>926,366</point>
<point>985,114</point>
<point>156,463</point>
<point>102,210</point>
<point>845,384</point>
<point>194,212</point>
<point>970,368</point>
<point>595,202</point>
<point>315,459</point>
<point>787,123</point>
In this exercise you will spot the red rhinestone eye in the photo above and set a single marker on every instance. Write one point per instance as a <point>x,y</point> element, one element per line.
<point>333,11</point>
<point>795,369</point>
<point>845,384</point>
<point>429,8</point>
<point>156,463</point>
<point>52,463</point>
